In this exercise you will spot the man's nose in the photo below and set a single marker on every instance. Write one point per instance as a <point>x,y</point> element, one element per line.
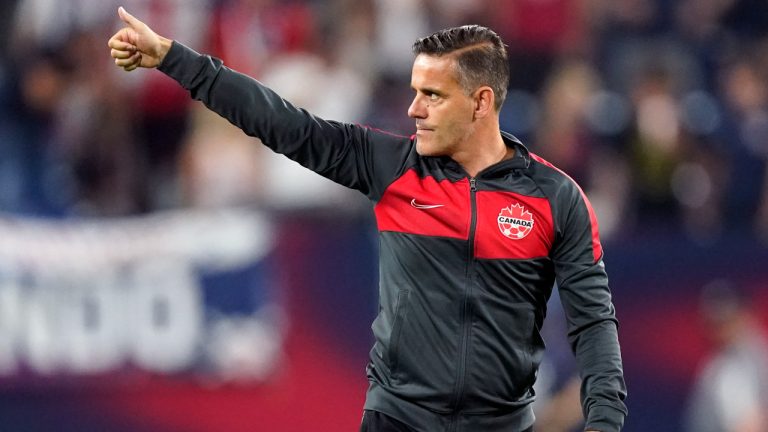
<point>417,109</point>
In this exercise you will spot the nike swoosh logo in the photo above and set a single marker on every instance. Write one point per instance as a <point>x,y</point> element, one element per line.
<point>425,206</point>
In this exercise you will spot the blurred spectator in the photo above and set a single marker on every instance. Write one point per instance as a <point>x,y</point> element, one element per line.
<point>656,147</point>
<point>48,24</point>
<point>562,411</point>
<point>398,24</point>
<point>731,391</point>
<point>162,109</point>
<point>93,139</point>
<point>745,96</point>
<point>538,33</point>
<point>325,73</point>
<point>219,165</point>
<point>558,400</point>
<point>745,18</point>
<point>446,13</point>
<point>247,34</point>
<point>36,183</point>
<point>562,133</point>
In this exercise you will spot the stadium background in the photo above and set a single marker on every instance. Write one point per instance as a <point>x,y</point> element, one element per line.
<point>161,272</point>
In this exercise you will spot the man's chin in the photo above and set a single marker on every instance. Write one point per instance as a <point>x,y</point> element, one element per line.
<point>425,149</point>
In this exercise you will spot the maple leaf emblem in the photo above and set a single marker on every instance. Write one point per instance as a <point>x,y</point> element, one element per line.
<point>515,222</point>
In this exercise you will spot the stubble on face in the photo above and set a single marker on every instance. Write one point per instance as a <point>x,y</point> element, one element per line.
<point>442,109</point>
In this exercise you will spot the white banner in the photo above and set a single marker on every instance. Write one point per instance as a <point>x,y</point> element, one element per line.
<point>94,296</point>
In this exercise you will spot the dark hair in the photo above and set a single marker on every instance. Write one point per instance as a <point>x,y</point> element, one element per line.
<point>481,57</point>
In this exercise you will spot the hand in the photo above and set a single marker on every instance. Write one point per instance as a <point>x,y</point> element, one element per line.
<point>137,45</point>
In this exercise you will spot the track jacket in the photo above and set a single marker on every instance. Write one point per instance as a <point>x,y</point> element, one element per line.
<point>466,264</point>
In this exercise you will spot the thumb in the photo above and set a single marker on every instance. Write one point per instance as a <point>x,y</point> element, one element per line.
<point>128,18</point>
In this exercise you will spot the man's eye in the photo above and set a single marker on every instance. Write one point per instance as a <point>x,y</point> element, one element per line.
<point>433,97</point>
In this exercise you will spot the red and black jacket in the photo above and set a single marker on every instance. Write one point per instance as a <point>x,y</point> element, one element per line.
<point>466,264</point>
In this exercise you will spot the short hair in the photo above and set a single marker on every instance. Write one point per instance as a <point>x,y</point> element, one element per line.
<point>481,57</point>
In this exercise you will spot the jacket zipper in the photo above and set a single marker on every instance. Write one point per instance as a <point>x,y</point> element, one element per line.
<point>467,307</point>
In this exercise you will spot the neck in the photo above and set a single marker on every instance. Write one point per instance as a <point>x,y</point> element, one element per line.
<point>485,148</point>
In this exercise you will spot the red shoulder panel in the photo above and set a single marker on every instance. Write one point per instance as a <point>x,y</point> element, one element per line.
<point>425,206</point>
<point>597,248</point>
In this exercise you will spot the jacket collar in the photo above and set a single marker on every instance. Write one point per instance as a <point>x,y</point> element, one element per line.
<point>520,161</point>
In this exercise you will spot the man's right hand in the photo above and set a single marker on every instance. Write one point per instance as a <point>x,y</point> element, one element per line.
<point>136,45</point>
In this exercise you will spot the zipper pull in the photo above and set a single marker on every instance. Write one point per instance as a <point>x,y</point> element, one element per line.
<point>472,184</point>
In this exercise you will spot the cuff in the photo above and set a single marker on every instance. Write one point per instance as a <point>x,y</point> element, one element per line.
<point>605,418</point>
<point>176,47</point>
<point>177,61</point>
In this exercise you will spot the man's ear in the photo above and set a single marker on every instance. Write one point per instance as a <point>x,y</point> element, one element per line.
<point>484,102</point>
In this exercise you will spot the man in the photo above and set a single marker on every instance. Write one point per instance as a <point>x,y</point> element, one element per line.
<point>730,393</point>
<point>474,232</point>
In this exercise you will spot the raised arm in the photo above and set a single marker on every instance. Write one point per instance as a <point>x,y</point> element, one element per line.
<point>359,158</point>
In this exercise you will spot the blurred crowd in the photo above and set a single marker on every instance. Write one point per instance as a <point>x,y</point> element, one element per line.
<point>659,108</point>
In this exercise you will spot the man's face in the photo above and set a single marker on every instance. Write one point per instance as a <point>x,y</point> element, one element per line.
<point>444,113</point>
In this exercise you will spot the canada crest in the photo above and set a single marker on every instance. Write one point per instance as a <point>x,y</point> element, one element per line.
<point>515,222</point>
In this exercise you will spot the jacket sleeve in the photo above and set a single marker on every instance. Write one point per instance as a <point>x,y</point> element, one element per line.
<point>586,299</point>
<point>357,157</point>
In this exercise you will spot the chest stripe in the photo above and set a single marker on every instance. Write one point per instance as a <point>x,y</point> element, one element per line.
<point>425,206</point>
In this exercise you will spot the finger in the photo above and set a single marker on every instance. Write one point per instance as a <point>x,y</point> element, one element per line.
<point>121,54</point>
<point>133,66</point>
<point>120,41</point>
<point>134,59</point>
<point>129,19</point>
